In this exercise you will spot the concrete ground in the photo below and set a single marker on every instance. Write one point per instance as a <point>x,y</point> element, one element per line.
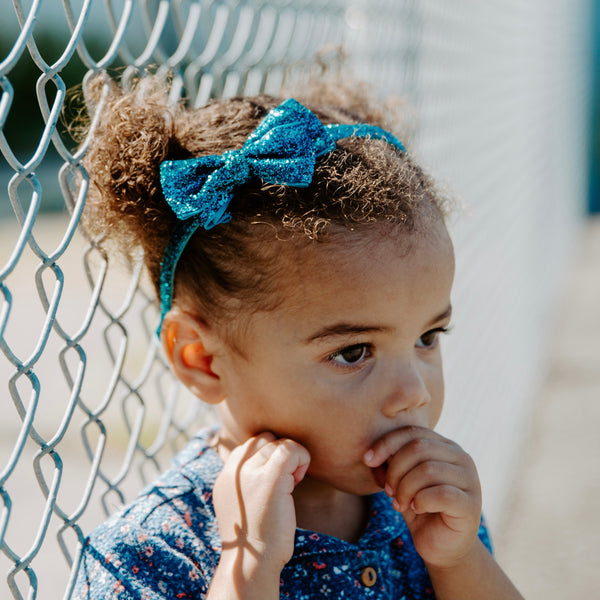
<point>549,543</point>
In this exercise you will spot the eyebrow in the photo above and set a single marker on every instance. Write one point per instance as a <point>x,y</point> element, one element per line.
<point>443,316</point>
<point>340,329</point>
<point>343,329</point>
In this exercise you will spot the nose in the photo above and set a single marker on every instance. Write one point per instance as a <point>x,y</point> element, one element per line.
<point>408,391</point>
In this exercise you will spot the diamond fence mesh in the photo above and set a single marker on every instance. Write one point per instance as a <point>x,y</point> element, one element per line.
<point>89,410</point>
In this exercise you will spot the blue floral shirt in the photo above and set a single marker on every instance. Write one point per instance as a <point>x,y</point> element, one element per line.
<point>166,545</point>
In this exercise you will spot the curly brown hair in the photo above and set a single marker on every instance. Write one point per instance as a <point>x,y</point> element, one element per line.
<point>361,184</point>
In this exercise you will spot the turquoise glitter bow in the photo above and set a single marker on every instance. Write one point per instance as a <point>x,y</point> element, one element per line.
<point>282,150</point>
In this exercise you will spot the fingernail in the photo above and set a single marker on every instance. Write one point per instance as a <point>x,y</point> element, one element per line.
<point>388,489</point>
<point>396,505</point>
<point>368,457</point>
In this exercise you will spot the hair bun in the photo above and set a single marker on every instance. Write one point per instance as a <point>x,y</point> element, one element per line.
<point>131,134</point>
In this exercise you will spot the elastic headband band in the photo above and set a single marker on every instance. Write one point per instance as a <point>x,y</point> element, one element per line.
<point>281,150</point>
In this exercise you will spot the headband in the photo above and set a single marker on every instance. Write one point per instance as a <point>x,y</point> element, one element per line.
<point>281,150</point>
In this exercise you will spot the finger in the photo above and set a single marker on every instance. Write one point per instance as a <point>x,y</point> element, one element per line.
<point>285,457</point>
<point>262,439</point>
<point>446,499</point>
<point>295,458</point>
<point>389,444</point>
<point>427,475</point>
<point>251,446</point>
<point>420,451</point>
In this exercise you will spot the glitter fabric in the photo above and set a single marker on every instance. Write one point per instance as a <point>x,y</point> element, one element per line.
<point>281,150</point>
<point>338,132</point>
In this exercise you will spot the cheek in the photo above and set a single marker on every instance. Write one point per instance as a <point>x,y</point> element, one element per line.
<point>437,400</point>
<point>343,428</point>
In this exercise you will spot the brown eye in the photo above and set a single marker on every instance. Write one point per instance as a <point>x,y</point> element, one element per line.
<point>350,355</point>
<point>430,338</point>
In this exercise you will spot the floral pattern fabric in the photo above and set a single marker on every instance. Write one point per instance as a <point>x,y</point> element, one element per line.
<point>166,545</point>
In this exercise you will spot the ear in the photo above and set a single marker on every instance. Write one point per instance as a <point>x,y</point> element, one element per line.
<point>190,344</point>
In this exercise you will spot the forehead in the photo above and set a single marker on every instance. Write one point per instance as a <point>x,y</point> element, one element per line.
<point>362,277</point>
<point>349,258</point>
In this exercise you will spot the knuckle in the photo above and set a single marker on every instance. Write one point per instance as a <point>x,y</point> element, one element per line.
<point>446,493</point>
<point>413,430</point>
<point>285,447</point>
<point>282,452</point>
<point>290,445</point>
<point>419,446</point>
<point>429,469</point>
<point>299,453</point>
<point>268,451</point>
<point>456,448</point>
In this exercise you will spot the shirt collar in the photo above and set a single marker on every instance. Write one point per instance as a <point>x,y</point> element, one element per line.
<point>384,524</point>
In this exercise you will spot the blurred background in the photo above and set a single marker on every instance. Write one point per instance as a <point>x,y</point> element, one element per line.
<point>502,106</point>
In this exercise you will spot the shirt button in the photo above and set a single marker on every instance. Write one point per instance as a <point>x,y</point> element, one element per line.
<point>368,576</point>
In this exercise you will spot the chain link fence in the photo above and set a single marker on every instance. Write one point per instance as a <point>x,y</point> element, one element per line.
<point>89,410</point>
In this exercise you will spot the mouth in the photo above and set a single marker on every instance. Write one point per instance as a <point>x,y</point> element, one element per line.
<point>379,473</point>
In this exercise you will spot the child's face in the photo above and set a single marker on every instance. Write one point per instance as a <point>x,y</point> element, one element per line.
<point>350,355</point>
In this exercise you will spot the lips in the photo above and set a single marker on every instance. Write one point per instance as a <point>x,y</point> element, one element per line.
<point>380,474</point>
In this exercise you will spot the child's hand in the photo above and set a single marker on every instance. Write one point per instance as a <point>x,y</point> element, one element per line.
<point>254,505</point>
<point>434,484</point>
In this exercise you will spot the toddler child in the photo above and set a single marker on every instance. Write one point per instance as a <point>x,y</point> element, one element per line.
<point>304,272</point>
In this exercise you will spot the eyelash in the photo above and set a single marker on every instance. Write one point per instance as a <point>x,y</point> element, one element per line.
<point>367,348</point>
<point>435,332</point>
<point>366,353</point>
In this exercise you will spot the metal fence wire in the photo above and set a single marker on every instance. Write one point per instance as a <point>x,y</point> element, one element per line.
<point>90,412</point>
